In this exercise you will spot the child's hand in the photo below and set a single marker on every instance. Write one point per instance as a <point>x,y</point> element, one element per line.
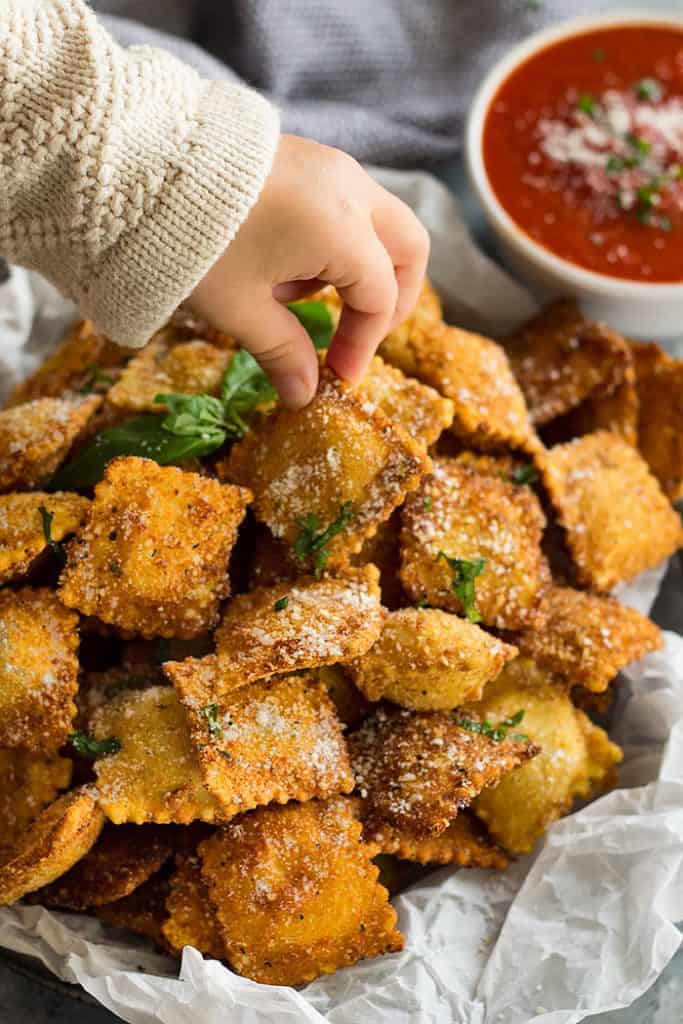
<point>320,219</point>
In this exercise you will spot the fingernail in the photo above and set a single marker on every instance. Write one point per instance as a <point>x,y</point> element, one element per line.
<point>295,392</point>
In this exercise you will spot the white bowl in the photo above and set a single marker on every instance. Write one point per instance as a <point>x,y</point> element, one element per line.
<point>635,308</point>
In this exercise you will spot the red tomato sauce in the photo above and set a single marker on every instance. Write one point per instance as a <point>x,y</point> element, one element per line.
<point>583,147</point>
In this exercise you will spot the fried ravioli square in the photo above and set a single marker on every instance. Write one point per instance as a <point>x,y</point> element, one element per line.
<point>296,892</point>
<point>26,531</point>
<point>165,367</point>
<point>576,758</point>
<point>154,774</point>
<point>560,358</point>
<point>587,639</point>
<point>190,918</point>
<point>660,429</point>
<point>270,741</point>
<point>461,515</point>
<point>326,476</point>
<point>38,669</point>
<point>300,625</point>
<point>36,437</point>
<point>420,410</point>
<point>153,555</point>
<point>415,770</point>
<point>29,782</point>
<point>465,844</point>
<point>617,520</point>
<point>429,660</point>
<point>59,837</point>
<point>473,371</point>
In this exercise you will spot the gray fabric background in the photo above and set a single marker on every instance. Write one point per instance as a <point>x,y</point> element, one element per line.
<point>387,80</point>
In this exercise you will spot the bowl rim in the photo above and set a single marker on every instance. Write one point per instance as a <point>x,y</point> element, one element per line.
<point>573,274</point>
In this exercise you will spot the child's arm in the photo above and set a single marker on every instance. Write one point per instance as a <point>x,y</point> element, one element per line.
<point>125,177</point>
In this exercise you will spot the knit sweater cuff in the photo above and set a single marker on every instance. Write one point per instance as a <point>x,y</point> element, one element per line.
<point>155,265</point>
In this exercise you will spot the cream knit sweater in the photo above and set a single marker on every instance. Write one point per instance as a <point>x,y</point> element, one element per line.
<point>123,174</point>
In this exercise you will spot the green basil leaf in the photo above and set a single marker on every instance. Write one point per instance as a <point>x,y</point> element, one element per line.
<point>317,319</point>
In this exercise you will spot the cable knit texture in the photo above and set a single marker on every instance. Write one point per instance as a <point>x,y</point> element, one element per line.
<point>123,174</point>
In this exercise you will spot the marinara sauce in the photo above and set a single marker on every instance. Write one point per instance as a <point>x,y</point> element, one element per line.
<point>583,146</point>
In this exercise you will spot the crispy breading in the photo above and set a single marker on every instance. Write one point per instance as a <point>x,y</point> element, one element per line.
<point>300,625</point>
<point>23,532</point>
<point>164,367</point>
<point>332,456</point>
<point>660,429</point>
<point>296,892</point>
<point>122,859</point>
<point>270,741</point>
<point>59,837</point>
<point>36,437</point>
<point>384,550</point>
<point>617,412</point>
<point>468,516</point>
<point>576,759</point>
<point>415,770</point>
<point>143,911</point>
<point>560,358</point>
<point>587,639</point>
<point>617,520</point>
<point>465,843</point>
<point>155,774</point>
<point>97,688</point>
<point>29,782</point>
<point>38,669</point>
<point>429,660</point>
<point>474,373</point>
<point>153,555</point>
<point>191,920</point>
<point>349,703</point>
<point>427,312</point>
<point>83,361</point>
<point>420,410</point>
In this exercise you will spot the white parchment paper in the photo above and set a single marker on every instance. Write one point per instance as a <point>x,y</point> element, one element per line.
<point>585,925</point>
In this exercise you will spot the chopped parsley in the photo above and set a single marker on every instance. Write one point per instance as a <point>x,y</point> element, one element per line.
<point>88,746</point>
<point>527,474</point>
<point>462,582</point>
<point>495,732</point>
<point>587,104</point>
<point>648,89</point>
<point>427,503</point>
<point>46,519</point>
<point>641,146</point>
<point>210,712</point>
<point>281,604</point>
<point>311,542</point>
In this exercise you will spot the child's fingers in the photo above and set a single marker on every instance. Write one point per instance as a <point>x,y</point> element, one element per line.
<point>407,243</point>
<point>367,283</point>
<point>283,349</point>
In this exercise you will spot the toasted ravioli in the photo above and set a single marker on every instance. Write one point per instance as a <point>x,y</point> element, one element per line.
<point>617,520</point>
<point>153,555</point>
<point>36,437</point>
<point>28,783</point>
<point>660,428</point>
<point>576,756</point>
<point>465,843</point>
<point>474,373</point>
<point>269,741</point>
<point>154,776</point>
<point>300,625</point>
<point>427,659</point>
<point>468,516</point>
<point>415,770</point>
<point>296,892</point>
<point>25,532</point>
<point>84,361</point>
<point>191,920</point>
<point>143,911</point>
<point>59,837</point>
<point>38,669</point>
<point>420,410</point>
<point>588,639</point>
<point>328,474</point>
<point>166,367</point>
<point>122,859</point>
<point>560,358</point>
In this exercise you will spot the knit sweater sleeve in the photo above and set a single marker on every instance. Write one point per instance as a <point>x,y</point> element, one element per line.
<point>123,174</point>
